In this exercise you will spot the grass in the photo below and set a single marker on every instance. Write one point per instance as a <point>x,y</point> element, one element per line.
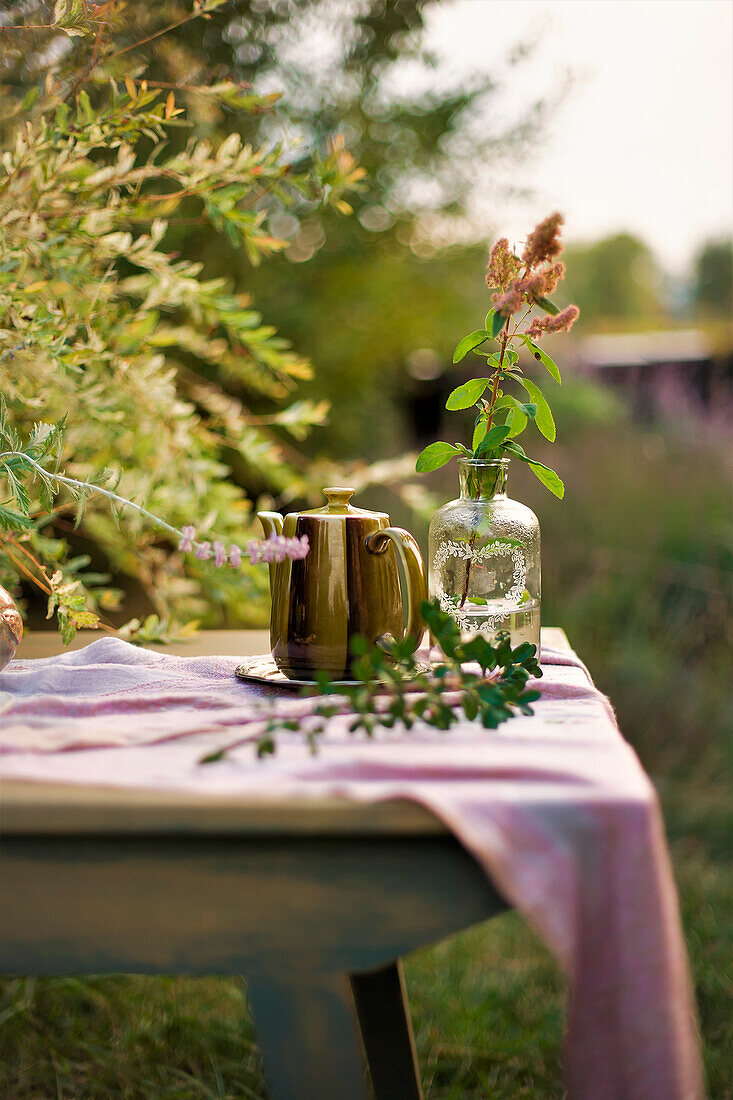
<point>637,562</point>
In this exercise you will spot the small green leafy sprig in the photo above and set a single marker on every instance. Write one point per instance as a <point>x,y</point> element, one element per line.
<point>392,686</point>
<point>519,285</point>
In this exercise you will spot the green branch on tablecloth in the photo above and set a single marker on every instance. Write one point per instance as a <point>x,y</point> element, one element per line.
<point>473,680</point>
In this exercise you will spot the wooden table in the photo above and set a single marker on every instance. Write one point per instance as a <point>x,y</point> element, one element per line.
<point>313,902</point>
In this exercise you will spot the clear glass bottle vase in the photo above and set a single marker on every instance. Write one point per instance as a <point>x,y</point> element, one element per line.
<point>484,556</point>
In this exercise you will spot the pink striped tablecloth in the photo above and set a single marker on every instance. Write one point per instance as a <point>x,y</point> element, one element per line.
<point>555,807</point>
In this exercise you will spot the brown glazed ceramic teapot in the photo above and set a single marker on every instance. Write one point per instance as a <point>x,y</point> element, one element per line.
<point>348,584</point>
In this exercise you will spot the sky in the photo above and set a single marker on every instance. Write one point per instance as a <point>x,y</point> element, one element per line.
<point>642,140</point>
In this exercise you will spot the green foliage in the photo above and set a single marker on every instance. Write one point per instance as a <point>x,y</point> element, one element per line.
<point>466,395</point>
<point>546,305</point>
<point>105,325</point>
<point>436,455</point>
<point>385,287</point>
<point>469,343</point>
<point>542,357</point>
<point>543,473</point>
<point>35,465</point>
<point>714,278</point>
<point>543,414</point>
<point>498,321</point>
<point>491,438</point>
<point>614,279</point>
<point>357,295</point>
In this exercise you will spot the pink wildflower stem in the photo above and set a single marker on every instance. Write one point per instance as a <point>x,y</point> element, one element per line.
<point>204,548</point>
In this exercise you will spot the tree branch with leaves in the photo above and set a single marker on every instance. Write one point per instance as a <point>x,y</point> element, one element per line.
<point>106,327</point>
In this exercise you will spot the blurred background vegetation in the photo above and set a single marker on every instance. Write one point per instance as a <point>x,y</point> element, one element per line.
<point>636,560</point>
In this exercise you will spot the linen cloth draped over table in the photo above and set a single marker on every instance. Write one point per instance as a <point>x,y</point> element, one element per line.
<point>555,807</point>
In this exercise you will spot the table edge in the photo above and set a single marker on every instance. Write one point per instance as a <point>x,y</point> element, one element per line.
<point>30,808</point>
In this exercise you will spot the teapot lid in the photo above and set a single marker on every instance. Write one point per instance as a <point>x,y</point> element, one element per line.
<point>338,499</point>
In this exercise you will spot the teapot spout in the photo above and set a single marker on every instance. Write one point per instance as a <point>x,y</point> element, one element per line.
<point>272,524</point>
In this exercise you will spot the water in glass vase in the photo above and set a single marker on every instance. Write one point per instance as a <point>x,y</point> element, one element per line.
<point>484,557</point>
<point>521,623</point>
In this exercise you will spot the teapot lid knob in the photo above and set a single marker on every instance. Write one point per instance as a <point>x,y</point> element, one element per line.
<point>338,495</point>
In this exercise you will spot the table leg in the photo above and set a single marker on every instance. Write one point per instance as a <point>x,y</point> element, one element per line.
<point>308,1034</point>
<point>384,1018</point>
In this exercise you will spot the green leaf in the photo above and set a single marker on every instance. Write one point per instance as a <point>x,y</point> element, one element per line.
<point>19,491</point>
<point>213,757</point>
<point>543,418</point>
<point>528,408</point>
<point>497,324</point>
<point>516,421</point>
<point>525,409</point>
<point>494,437</point>
<point>547,305</point>
<point>466,395</point>
<point>470,707</point>
<point>548,478</point>
<point>542,357</point>
<point>45,494</point>
<point>434,456</point>
<point>85,107</point>
<point>479,432</point>
<point>62,115</point>
<point>11,520</point>
<point>516,450</point>
<point>468,343</point>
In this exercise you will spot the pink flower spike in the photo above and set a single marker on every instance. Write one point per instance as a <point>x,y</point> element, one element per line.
<point>543,243</point>
<point>235,556</point>
<point>281,549</point>
<point>203,551</point>
<point>276,548</point>
<point>304,546</point>
<point>220,554</point>
<point>188,535</point>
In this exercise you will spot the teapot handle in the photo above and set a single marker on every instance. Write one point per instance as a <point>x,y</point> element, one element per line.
<point>412,575</point>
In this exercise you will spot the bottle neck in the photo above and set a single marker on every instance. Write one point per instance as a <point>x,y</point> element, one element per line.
<point>482,480</point>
